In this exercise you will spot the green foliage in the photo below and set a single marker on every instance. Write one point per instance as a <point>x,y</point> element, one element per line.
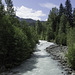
<point>10,9</point>
<point>61,39</point>
<point>6,39</point>
<point>17,39</point>
<point>68,12</point>
<point>50,35</point>
<point>2,12</point>
<point>62,31</point>
<point>61,10</point>
<point>71,56</point>
<point>39,27</point>
<point>62,25</point>
<point>71,47</point>
<point>52,18</point>
<point>74,17</point>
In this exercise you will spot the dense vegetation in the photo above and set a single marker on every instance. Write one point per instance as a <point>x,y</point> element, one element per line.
<point>17,39</point>
<point>60,28</point>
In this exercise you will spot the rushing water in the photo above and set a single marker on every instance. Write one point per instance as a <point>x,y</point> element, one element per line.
<point>39,64</point>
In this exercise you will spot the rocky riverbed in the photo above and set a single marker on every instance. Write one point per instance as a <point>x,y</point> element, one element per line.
<point>58,53</point>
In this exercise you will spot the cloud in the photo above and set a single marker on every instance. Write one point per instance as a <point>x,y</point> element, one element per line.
<point>46,19</point>
<point>49,5</point>
<point>25,12</point>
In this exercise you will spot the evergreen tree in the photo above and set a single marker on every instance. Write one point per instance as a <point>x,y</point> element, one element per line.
<point>53,21</point>
<point>61,10</point>
<point>2,11</point>
<point>50,35</point>
<point>10,9</point>
<point>39,27</point>
<point>52,18</point>
<point>74,17</point>
<point>62,25</point>
<point>68,12</point>
<point>71,47</point>
<point>16,38</point>
<point>67,27</point>
<point>62,30</point>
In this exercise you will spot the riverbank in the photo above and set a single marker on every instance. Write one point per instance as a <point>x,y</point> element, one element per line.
<point>40,63</point>
<point>58,53</point>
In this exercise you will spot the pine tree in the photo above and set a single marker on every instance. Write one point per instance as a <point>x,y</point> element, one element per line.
<point>68,12</point>
<point>74,17</point>
<point>52,18</point>
<point>50,35</point>
<point>62,30</point>
<point>1,9</point>
<point>62,25</point>
<point>61,10</point>
<point>71,47</point>
<point>10,9</point>
<point>39,27</point>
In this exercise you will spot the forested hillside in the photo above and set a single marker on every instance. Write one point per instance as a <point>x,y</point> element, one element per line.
<point>60,28</point>
<point>17,39</point>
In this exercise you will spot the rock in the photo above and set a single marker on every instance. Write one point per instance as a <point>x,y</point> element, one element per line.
<point>58,53</point>
<point>62,72</point>
<point>70,72</point>
<point>73,73</point>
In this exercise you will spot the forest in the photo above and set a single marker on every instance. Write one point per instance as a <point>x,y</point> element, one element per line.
<point>18,38</point>
<point>60,29</point>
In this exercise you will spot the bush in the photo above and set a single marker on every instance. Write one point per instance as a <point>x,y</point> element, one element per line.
<point>71,56</point>
<point>16,43</point>
<point>61,39</point>
<point>71,47</point>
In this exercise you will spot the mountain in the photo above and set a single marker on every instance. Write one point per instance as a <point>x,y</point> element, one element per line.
<point>27,20</point>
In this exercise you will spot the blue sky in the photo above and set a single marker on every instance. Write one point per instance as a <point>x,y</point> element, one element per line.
<point>37,9</point>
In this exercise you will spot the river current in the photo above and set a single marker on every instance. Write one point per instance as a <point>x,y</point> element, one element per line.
<point>40,63</point>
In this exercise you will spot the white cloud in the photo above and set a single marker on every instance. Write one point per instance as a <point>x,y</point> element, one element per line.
<point>49,5</point>
<point>24,12</point>
<point>46,19</point>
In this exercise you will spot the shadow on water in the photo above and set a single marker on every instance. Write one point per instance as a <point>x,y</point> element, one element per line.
<point>26,66</point>
<point>30,64</point>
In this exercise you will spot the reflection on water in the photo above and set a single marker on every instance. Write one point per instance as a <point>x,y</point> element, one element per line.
<point>39,64</point>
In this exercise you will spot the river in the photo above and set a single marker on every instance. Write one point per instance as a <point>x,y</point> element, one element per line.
<point>39,64</point>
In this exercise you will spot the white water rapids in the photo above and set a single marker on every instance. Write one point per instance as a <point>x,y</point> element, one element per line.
<point>39,64</point>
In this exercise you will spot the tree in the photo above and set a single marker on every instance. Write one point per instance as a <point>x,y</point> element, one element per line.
<point>2,11</point>
<point>50,35</point>
<point>68,12</point>
<point>62,25</point>
<point>16,39</point>
<point>71,47</point>
<point>62,30</point>
<point>39,27</point>
<point>53,21</point>
<point>52,18</point>
<point>61,10</point>
<point>74,17</point>
<point>10,9</point>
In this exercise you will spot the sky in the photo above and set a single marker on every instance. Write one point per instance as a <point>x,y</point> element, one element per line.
<point>37,9</point>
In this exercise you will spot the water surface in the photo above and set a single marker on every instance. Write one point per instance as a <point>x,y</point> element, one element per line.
<point>40,63</point>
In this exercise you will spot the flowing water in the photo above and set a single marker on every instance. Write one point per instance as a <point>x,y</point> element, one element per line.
<point>39,64</point>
